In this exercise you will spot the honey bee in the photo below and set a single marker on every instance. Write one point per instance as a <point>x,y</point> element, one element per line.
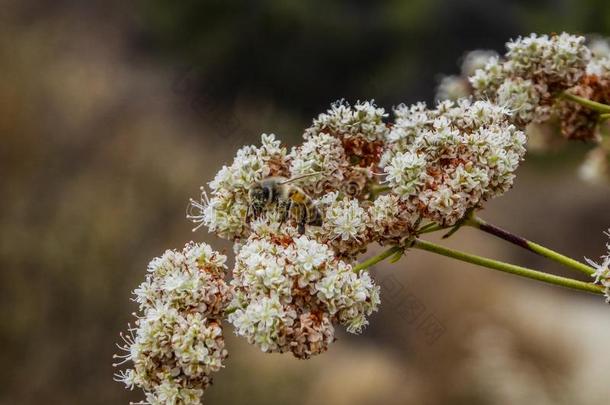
<point>290,200</point>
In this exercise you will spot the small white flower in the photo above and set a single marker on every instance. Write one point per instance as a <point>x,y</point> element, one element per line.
<point>602,270</point>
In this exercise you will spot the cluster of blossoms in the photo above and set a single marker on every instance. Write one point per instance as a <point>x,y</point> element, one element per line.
<point>530,79</point>
<point>602,270</point>
<point>299,218</point>
<point>534,70</point>
<point>448,160</point>
<point>177,341</point>
<point>225,211</point>
<point>290,290</point>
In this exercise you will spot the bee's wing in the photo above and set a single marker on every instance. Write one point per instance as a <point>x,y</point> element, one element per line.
<point>299,178</point>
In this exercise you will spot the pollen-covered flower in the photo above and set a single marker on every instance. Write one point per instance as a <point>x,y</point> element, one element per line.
<point>224,213</point>
<point>451,159</point>
<point>290,291</point>
<point>602,270</point>
<point>361,129</point>
<point>177,341</point>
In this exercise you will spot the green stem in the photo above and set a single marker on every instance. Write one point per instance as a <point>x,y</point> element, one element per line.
<point>593,105</point>
<point>430,228</point>
<point>508,268</point>
<point>378,258</point>
<point>604,117</point>
<point>479,223</point>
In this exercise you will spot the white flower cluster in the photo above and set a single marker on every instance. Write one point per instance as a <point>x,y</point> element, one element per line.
<point>225,212</point>
<point>448,160</point>
<point>602,270</point>
<point>325,154</point>
<point>290,290</point>
<point>346,225</point>
<point>177,341</point>
<point>534,70</point>
<point>392,219</point>
<point>363,120</point>
<point>361,130</point>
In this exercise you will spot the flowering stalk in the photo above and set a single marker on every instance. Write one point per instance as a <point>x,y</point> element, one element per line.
<point>484,226</point>
<point>300,217</point>
<point>508,268</point>
<point>594,105</point>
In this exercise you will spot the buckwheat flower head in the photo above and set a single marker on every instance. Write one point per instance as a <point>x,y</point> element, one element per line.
<point>350,296</point>
<point>345,226</point>
<point>364,120</point>
<point>361,129</point>
<point>602,270</point>
<point>177,341</point>
<point>290,290</point>
<point>392,219</point>
<point>522,98</point>
<point>225,211</point>
<point>462,154</point>
<point>486,80</point>
<point>324,154</point>
<point>557,60</point>
<point>533,71</point>
<point>577,121</point>
<point>185,280</point>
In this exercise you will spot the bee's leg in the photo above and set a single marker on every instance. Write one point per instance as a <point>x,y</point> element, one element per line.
<point>314,217</point>
<point>284,211</point>
<point>302,218</point>
<point>248,214</point>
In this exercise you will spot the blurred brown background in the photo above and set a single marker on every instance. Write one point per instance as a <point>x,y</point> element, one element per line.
<point>113,114</point>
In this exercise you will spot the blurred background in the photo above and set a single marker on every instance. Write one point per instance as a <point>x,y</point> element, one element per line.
<point>113,113</point>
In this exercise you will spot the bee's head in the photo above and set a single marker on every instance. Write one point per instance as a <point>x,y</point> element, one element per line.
<point>258,196</point>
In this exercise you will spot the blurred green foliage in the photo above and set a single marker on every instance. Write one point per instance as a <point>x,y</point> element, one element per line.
<point>305,54</point>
